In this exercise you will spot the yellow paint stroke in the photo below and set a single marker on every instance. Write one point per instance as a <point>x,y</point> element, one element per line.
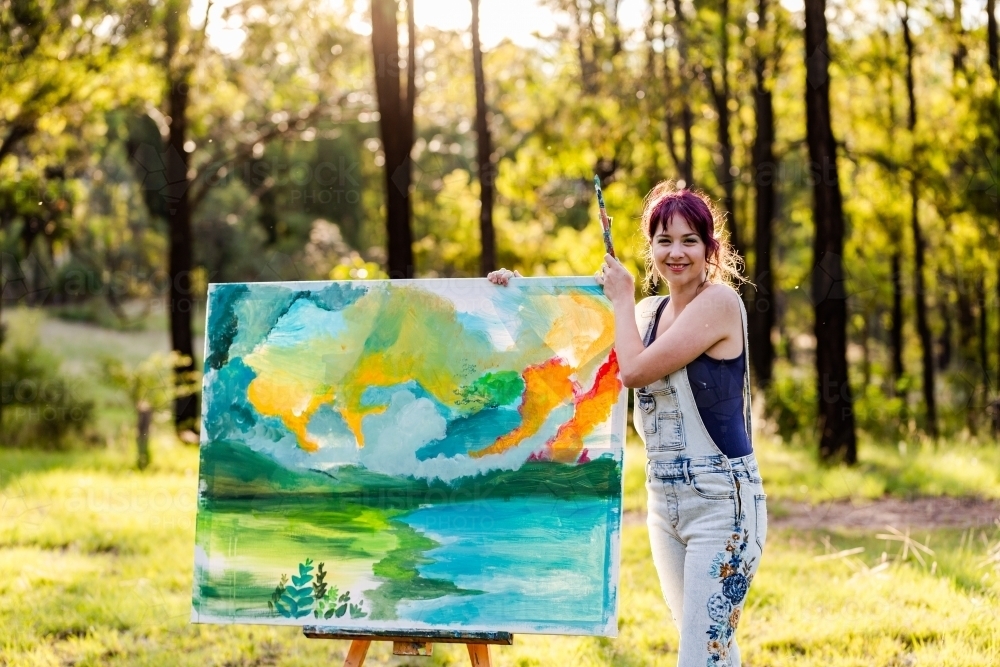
<point>583,330</point>
<point>591,409</point>
<point>415,337</point>
<point>546,386</point>
<point>272,398</point>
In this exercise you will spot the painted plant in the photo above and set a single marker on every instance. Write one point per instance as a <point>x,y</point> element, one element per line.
<point>410,455</point>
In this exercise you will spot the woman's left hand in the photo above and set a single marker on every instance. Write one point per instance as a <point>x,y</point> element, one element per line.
<point>619,285</point>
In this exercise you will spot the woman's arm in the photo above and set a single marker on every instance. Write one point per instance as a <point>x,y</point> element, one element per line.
<point>703,323</point>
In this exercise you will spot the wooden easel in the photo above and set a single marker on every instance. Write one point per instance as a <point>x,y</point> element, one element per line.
<point>417,643</point>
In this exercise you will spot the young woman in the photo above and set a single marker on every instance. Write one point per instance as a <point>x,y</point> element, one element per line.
<point>686,357</point>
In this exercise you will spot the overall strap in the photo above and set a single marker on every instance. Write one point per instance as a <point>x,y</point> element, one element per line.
<point>746,373</point>
<point>650,313</point>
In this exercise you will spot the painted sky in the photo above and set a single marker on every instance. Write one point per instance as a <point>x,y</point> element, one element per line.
<point>423,378</point>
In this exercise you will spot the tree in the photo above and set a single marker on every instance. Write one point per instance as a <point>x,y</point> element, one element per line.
<point>765,176</point>
<point>176,176</point>
<point>993,52</point>
<point>177,66</point>
<point>679,81</point>
<point>923,328</point>
<point>725,172</point>
<point>150,387</point>
<point>396,125</point>
<point>484,151</point>
<point>836,415</point>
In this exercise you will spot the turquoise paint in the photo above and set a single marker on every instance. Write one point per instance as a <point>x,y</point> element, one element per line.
<point>470,433</point>
<point>305,321</point>
<point>228,412</point>
<point>546,565</point>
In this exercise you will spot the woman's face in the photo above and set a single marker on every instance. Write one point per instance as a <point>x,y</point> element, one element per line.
<point>679,253</point>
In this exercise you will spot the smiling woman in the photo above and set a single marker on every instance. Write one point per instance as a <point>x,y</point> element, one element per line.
<point>686,356</point>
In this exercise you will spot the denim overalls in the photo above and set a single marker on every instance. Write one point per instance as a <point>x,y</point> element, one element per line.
<point>707,516</point>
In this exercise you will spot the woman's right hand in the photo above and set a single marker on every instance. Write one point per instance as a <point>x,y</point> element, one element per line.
<point>502,276</point>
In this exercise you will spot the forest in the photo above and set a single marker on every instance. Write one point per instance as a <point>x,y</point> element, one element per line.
<point>149,148</point>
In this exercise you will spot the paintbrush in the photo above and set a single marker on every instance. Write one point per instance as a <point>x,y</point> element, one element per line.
<point>605,220</point>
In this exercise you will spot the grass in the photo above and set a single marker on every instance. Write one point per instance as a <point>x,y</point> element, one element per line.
<point>950,468</point>
<point>96,559</point>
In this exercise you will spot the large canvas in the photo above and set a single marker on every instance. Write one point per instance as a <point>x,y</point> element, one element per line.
<point>411,455</point>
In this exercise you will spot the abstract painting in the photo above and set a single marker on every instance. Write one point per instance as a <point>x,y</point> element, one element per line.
<point>411,455</point>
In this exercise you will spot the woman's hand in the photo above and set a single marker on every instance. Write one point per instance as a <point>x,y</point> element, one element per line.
<point>502,276</point>
<point>619,285</point>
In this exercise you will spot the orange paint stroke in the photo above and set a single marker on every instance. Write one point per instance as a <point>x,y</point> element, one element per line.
<point>591,409</point>
<point>546,386</point>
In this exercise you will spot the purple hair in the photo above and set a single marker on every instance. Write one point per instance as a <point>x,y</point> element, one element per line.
<point>667,200</point>
<point>663,207</point>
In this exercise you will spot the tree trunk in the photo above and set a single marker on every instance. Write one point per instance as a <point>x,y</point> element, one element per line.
<point>896,332</point>
<point>836,416</point>
<point>992,40</point>
<point>484,149</point>
<point>145,419</point>
<point>588,68</point>
<point>721,96</point>
<point>396,126</point>
<point>765,177</point>
<point>686,166</point>
<point>180,253</point>
<point>920,296</point>
<point>944,348</point>
<point>961,51</point>
<point>993,45</point>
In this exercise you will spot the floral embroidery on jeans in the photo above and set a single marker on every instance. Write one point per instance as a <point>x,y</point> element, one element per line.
<point>733,572</point>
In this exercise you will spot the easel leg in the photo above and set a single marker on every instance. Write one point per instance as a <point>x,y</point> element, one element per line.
<point>356,656</point>
<point>480,655</point>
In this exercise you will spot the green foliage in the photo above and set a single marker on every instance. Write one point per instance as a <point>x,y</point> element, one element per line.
<point>308,593</point>
<point>150,387</point>
<point>286,154</point>
<point>150,384</point>
<point>790,403</point>
<point>41,406</point>
<point>492,390</point>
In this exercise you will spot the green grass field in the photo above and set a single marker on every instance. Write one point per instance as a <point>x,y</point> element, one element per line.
<point>96,563</point>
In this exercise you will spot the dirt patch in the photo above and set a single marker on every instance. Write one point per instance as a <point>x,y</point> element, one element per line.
<point>941,512</point>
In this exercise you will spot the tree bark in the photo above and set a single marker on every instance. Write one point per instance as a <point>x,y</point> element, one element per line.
<point>721,96</point>
<point>992,47</point>
<point>588,68</point>
<point>484,149</point>
<point>961,51</point>
<point>993,40</point>
<point>836,416</point>
<point>396,126</point>
<point>144,414</point>
<point>686,166</point>
<point>762,318</point>
<point>920,296</point>
<point>896,332</point>
<point>179,261</point>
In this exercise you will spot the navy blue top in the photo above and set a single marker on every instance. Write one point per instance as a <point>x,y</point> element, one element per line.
<point>717,385</point>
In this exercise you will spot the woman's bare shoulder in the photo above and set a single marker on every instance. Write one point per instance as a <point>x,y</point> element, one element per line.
<point>720,297</point>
